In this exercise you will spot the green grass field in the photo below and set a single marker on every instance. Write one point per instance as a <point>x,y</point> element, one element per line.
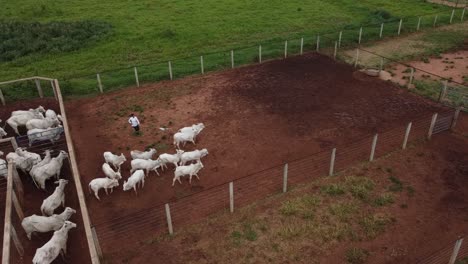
<point>148,30</point>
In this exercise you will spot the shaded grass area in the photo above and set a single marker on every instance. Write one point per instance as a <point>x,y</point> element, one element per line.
<point>20,39</point>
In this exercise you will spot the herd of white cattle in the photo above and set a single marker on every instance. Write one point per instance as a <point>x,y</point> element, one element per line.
<point>142,163</point>
<point>46,125</point>
<point>42,125</point>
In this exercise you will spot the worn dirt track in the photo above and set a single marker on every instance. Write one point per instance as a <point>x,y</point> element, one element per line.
<point>256,117</point>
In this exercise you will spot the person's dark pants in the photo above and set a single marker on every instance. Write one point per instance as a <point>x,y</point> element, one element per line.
<point>137,128</point>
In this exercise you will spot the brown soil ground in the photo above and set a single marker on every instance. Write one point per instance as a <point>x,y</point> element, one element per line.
<point>453,66</point>
<point>256,117</point>
<point>33,197</point>
<point>422,223</point>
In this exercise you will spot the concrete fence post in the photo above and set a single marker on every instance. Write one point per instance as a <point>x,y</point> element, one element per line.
<point>232,59</point>
<point>2,98</point>
<point>302,46</point>
<point>336,49</point>
<point>360,35</point>
<point>374,145</point>
<point>169,219</point>
<point>357,58</point>
<point>332,162</point>
<point>410,82</point>
<point>455,118</point>
<point>399,27</point>
<point>231,197</point>
<point>381,30</point>
<point>286,49</point>
<point>285,178</point>
<point>431,127</point>
<point>169,64</point>
<point>39,88</point>
<point>419,24</point>
<point>443,91</point>
<point>318,43</point>
<point>99,83</point>
<point>260,53</point>
<point>407,133</point>
<point>53,89</point>
<point>463,14</point>
<point>96,242</point>
<point>435,20</point>
<point>451,16</point>
<point>455,251</point>
<point>136,77</point>
<point>202,66</point>
<point>339,39</point>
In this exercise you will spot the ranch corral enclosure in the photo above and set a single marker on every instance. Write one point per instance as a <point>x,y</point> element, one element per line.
<point>31,200</point>
<point>257,118</point>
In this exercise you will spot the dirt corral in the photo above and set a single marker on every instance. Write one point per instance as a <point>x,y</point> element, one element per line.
<point>256,117</point>
<point>77,250</point>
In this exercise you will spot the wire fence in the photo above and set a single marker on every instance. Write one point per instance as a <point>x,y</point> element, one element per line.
<point>349,36</point>
<point>165,217</point>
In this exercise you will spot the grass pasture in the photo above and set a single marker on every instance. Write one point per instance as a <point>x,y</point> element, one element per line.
<point>147,31</point>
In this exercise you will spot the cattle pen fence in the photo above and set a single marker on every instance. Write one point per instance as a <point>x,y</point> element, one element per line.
<point>12,190</point>
<point>168,216</point>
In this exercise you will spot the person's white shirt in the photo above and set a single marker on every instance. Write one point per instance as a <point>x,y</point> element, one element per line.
<point>134,121</point>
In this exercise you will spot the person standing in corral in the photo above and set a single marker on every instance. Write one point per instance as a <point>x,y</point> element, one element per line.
<point>135,123</point>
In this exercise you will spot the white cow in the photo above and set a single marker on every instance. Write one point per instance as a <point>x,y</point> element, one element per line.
<point>184,137</point>
<point>190,170</point>
<point>102,183</point>
<point>52,134</point>
<point>42,123</point>
<point>147,165</point>
<point>49,170</point>
<point>110,173</point>
<point>137,154</point>
<point>42,224</point>
<point>114,160</point>
<point>196,128</point>
<point>56,245</point>
<point>35,112</point>
<point>195,155</point>
<point>16,121</point>
<point>170,158</point>
<point>137,177</point>
<point>56,199</point>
